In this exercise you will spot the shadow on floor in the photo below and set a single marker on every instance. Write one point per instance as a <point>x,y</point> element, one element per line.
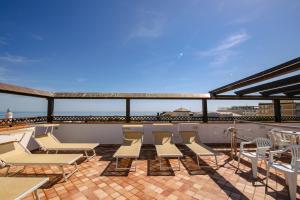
<point>53,178</point>
<point>153,164</point>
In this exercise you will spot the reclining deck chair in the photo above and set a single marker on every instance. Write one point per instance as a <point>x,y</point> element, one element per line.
<point>165,148</point>
<point>19,187</point>
<point>48,142</point>
<point>189,139</point>
<point>132,143</point>
<point>14,154</point>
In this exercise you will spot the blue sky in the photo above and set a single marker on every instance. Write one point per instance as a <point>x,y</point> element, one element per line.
<point>142,46</point>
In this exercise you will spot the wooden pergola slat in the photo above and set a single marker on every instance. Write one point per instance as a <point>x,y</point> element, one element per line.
<point>13,89</point>
<point>284,68</point>
<point>97,95</point>
<point>270,85</point>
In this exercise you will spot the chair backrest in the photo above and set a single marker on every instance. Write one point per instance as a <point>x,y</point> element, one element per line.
<point>12,148</point>
<point>133,133</point>
<point>46,140</point>
<point>133,137</point>
<point>188,137</point>
<point>272,137</point>
<point>295,161</point>
<point>262,144</point>
<point>162,137</point>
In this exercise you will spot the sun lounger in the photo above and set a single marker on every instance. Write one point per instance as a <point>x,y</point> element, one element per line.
<point>131,146</point>
<point>48,142</point>
<point>19,187</point>
<point>190,140</point>
<point>14,154</point>
<point>165,148</point>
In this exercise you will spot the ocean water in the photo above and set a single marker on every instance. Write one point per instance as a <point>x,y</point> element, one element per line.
<point>86,113</point>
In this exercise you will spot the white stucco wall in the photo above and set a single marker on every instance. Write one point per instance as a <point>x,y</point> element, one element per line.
<point>112,133</point>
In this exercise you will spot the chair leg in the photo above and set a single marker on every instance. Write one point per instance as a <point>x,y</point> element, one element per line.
<point>36,195</point>
<point>159,163</point>
<point>268,174</point>
<point>239,160</point>
<point>117,160</point>
<point>254,167</point>
<point>179,163</point>
<point>216,160</point>
<point>198,160</point>
<point>292,183</point>
<point>64,173</point>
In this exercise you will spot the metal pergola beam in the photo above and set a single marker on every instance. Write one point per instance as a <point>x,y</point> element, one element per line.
<point>284,68</point>
<point>281,90</point>
<point>254,97</point>
<point>270,85</point>
<point>292,93</point>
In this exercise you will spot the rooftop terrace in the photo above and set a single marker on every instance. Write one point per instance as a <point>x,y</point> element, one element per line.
<point>97,179</point>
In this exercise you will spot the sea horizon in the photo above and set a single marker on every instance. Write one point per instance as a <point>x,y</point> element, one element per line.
<point>19,114</point>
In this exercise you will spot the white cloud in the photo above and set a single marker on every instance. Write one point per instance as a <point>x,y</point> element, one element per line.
<point>224,50</point>
<point>151,25</point>
<point>15,59</point>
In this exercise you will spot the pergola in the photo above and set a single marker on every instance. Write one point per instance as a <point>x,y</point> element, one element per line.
<point>287,88</point>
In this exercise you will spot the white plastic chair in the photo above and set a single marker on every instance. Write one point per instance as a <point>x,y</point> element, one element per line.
<point>262,145</point>
<point>280,140</point>
<point>290,170</point>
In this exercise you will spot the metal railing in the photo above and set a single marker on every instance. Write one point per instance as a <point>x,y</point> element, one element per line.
<point>148,118</point>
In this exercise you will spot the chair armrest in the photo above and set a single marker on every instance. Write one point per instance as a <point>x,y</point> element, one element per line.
<point>243,143</point>
<point>272,153</point>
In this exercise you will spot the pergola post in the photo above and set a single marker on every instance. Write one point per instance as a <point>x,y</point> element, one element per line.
<point>50,110</point>
<point>127,110</point>
<point>277,110</point>
<point>204,111</point>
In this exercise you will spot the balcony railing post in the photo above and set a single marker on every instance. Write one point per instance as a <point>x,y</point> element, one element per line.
<point>277,110</point>
<point>50,110</point>
<point>127,110</point>
<point>204,111</point>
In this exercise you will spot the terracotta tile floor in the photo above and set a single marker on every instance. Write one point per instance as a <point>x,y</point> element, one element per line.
<point>97,179</point>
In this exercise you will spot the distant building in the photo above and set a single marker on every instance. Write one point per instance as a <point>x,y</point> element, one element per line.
<point>240,110</point>
<point>288,108</point>
<point>178,112</point>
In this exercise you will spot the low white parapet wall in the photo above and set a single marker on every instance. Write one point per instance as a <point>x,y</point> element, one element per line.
<point>211,133</point>
<point>112,133</point>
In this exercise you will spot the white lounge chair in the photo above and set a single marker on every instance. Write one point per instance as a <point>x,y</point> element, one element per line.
<point>14,154</point>
<point>48,142</point>
<point>132,143</point>
<point>19,187</point>
<point>165,148</point>
<point>190,138</point>
<point>262,145</point>
<point>290,170</point>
